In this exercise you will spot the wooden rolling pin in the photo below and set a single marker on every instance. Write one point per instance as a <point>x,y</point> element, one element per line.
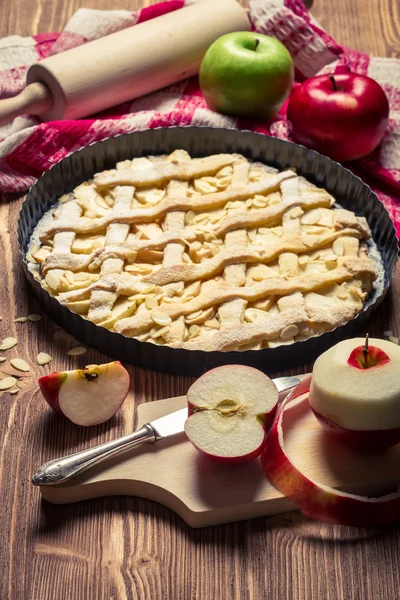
<point>126,64</point>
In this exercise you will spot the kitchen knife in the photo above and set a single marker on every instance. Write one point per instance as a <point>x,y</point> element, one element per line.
<point>61,470</point>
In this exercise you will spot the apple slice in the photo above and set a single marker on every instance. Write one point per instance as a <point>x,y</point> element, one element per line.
<point>355,392</point>
<point>230,410</point>
<point>87,396</point>
<point>314,499</point>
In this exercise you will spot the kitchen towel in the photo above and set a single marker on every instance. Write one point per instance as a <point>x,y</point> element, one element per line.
<point>28,147</point>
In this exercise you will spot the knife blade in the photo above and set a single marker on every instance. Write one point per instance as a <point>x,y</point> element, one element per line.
<point>62,469</point>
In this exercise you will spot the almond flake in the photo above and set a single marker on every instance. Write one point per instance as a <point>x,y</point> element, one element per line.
<point>151,303</point>
<point>8,343</point>
<point>20,364</point>
<point>2,359</point>
<point>43,358</point>
<point>52,280</point>
<point>77,351</point>
<point>21,320</point>
<point>260,203</point>
<point>289,332</point>
<point>34,317</point>
<point>391,338</point>
<point>69,276</point>
<point>7,383</point>
<point>13,390</point>
<point>160,318</point>
<point>194,331</point>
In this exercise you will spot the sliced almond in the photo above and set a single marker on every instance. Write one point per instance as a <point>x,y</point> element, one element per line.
<point>161,318</point>
<point>70,277</point>
<point>43,358</point>
<point>151,303</point>
<point>7,383</point>
<point>391,338</point>
<point>20,364</point>
<point>200,316</point>
<point>34,317</point>
<point>52,280</point>
<point>260,202</point>
<point>8,343</point>
<point>138,269</point>
<point>194,315</point>
<point>338,247</point>
<point>189,216</point>
<point>160,332</point>
<point>194,331</point>
<point>212,324</point>
<point>76,351</point>
<point>289,332</point>
<point>2,359</point>
<point>13,390</point>
<point>21,320</point>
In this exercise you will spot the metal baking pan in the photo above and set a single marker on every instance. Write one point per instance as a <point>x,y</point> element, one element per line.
<point>349,191</point>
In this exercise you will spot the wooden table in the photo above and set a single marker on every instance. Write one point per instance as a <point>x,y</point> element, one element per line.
<point>130,548</point>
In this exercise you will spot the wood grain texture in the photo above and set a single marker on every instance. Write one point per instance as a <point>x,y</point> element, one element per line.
<point>127,548</point>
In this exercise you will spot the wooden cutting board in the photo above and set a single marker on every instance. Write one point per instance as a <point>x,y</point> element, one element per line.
<point>205,493</point>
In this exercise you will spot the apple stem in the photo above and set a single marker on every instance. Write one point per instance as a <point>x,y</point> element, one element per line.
<point>365,352</point>
<point>331,77</point>
<point>256,44</point>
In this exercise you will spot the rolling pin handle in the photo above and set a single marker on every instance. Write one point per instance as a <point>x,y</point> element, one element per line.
<point>35,99</point>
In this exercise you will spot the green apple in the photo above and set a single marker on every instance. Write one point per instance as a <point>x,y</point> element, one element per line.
<point>247,75</point>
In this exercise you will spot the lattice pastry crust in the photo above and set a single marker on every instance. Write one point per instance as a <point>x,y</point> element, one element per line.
<point>215,253</point>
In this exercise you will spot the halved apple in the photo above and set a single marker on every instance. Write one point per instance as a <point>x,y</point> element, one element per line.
<point>315,499</point>
<point>230,410</point>
<point>87,396</point>
<point>355,392</point>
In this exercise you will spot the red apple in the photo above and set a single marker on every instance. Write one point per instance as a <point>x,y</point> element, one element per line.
<point>355,392</point>
<point>87,396</point>
<point>343,116</point>
<point>314,499</point>
<point>230,410</point>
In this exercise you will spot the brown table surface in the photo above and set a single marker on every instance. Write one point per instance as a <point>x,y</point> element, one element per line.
<point>117,548</point>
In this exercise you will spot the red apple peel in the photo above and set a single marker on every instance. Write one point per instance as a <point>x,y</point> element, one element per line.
<point>50,386</point>
<point>314,499</point>
<point>361,439</point>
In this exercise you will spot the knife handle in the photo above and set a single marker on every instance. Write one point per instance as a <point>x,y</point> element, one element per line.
<point>62,469</point>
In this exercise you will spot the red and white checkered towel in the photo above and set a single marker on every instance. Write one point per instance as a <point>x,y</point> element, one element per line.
<point>28,147</point>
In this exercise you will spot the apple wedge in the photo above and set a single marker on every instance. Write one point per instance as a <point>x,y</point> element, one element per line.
<point>355,392</point>
<point>230,410</point>
<point>314,499</point>
<point>87,396</point>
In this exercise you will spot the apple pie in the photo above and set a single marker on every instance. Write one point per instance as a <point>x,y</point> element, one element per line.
<point>213,253</point>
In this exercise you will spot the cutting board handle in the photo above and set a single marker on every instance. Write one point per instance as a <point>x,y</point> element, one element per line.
<point>35,99</point>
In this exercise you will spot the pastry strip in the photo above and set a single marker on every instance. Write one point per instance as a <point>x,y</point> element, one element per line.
<point>83,225</point>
